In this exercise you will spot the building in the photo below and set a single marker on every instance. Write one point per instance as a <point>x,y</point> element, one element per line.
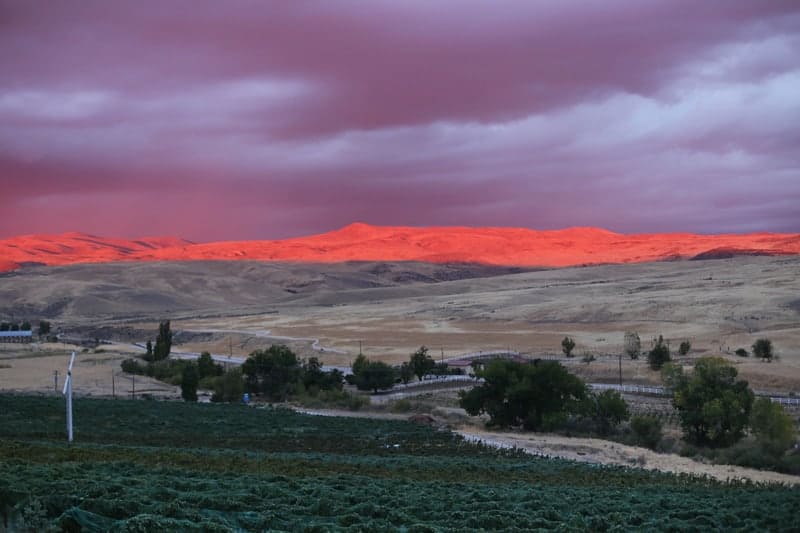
<point>18,337</point>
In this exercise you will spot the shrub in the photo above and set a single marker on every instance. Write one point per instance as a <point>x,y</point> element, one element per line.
<point>773,428</point>
<point>762,349</point>
<point>659,354</point>
<point>741,352</point>
<point>684,348</point>
<point>633,345</point>
<point>567,345</point>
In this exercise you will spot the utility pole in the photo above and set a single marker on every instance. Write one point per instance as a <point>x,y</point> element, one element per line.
<point>230,346</point>
<point>133,386</point>
<point>442,354</point>
<point>359,347</point>
<point>113,386</point>
<point>620,369</point>
<point>55,380</point>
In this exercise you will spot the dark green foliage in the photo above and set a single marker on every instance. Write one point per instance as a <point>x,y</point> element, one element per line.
<point>659,354</point>
<point>405,372</point>
<point>25,326</point>
<point>375,376</point>
<point>684,347</point>
<point>14,327</point>
<point>134,366</point>
<point>5,326</point>
<point>646,431</point>
<point>762,349</point>
<point>538,396</point>
<point>608,410</point>
<point>714,407</point>
<point>274,372</point>
<point>741,352</point>
<point>315,379</point>
<point>567,345</point>
<point>189,381</point>
<point>149,351</point>
<point>421,363</point>
<point>171,466</point>
<point>44,328</point>
<point>229,387</point>
<point>774,429</point>
<point>206,367</point>
<point>163,341</point>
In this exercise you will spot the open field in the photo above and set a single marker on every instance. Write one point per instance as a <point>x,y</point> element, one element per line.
<point>393,308</point>
<point>170,466</point>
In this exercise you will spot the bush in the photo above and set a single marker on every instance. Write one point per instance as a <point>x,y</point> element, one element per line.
<point>608,410</point>
<point>741,352</point>
<point>646,431</point>
<point>684,348</point>
<point>567,345</point>
<point>134,366</point>
<point>659,354</point>
<point>762,349</point>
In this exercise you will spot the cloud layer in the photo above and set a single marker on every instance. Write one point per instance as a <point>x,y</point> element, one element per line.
<point>272,119</point>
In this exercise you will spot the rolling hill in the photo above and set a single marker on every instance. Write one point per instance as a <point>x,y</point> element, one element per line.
<point>362,242</point>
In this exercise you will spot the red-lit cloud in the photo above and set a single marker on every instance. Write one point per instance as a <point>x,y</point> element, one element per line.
<point>245,119</point>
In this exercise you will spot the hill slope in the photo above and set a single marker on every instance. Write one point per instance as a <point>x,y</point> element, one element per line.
<point>362,242</point>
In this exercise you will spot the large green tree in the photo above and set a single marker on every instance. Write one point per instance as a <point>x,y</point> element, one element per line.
<point>273,372</point>
<point>538,395</point>
<point>163,341</point>
<point>713,405</point>
<point>207,367</point>
<point>421,363</point>
<point>189,381</point>
<point>773,428</point>
<point>375,376</point>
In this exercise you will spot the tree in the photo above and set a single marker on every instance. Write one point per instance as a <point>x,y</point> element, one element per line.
<point>189,382</point>
<point>406,372</point>
<point>421,363</point>
<point>741,352</point>
<point>163,341</point>
<point>646,430</point>
<point>359,364</point>
<point>25,326</point>
<point>5,326</point>
<point>633,345</point>
<point>207,367</point>
<point>567,345</point>
<point>14,327</point>
<point>149,351</point>
<point>762,349</point>
<point>773,428</point>
<point>44,328</point>
<point>608,410</point>
<point>316,378</point>
<point>229,387</point>
<point>684,348</point>
<point>374,376</point>
<point>659,354</point>
<point>274,372</point>
<point>537,395</point>
<point>714,406</point>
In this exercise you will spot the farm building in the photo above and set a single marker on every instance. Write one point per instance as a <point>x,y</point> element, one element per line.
<point>19,337</point>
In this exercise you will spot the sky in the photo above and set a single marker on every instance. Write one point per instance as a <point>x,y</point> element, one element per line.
<point>265,119</point>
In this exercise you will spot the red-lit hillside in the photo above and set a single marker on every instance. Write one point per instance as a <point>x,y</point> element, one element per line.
<point>361,242</point>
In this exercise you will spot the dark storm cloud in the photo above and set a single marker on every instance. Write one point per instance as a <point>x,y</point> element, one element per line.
<point>263,119</point>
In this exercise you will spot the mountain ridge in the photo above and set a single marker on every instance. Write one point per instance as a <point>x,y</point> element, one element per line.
<point>501,246</point>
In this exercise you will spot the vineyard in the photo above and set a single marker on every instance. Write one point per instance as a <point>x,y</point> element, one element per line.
<point>148,465</point>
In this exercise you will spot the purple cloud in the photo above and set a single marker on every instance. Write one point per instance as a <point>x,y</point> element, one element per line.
<point>268,120</point>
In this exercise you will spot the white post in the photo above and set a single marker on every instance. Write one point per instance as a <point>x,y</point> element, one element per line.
<point>68,394</point>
